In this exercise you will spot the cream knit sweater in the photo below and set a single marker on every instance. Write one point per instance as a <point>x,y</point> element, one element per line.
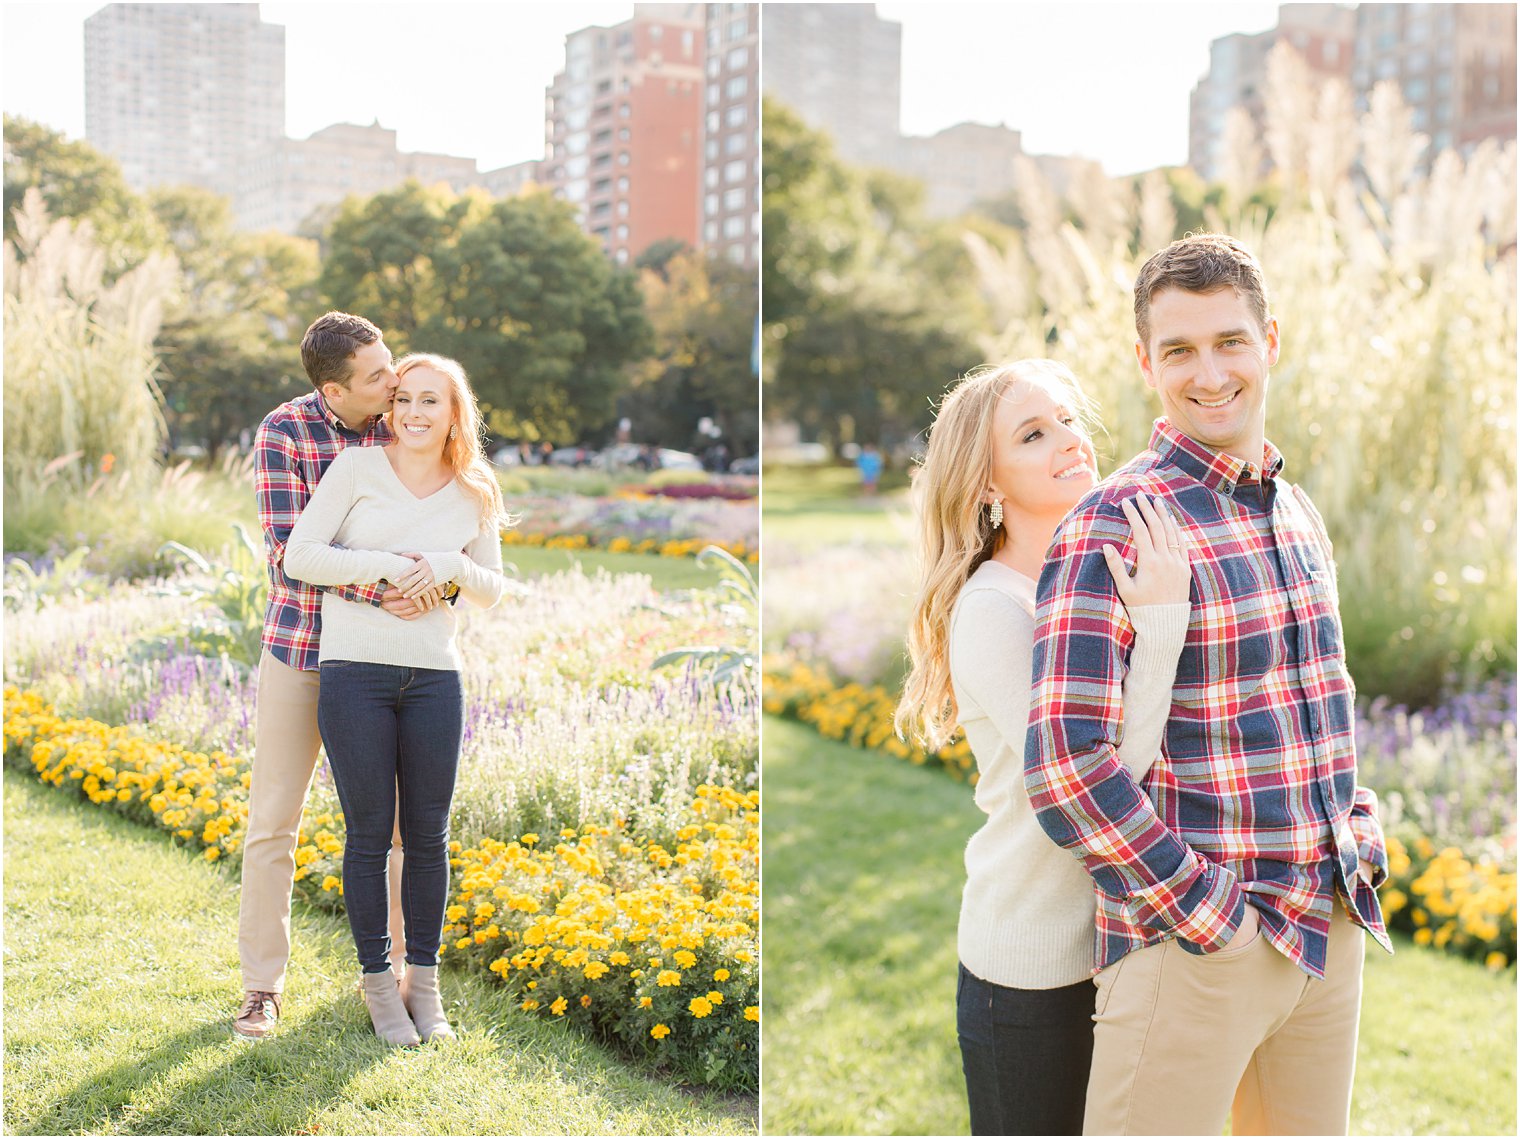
<point>1027,910</point>
<point>363,506</point>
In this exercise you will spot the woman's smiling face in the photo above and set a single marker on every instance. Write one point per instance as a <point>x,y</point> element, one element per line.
<point>423,410</point>
<point>1042,459</point>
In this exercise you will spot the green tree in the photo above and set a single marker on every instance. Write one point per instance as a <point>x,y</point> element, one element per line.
<point>703,313</point>
<point>545,325</point>
<point>870,310</point>
<point>78,183</point>
<point>229,348</point>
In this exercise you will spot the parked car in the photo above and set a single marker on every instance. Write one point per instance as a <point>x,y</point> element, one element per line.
<point>576,456</point>
<point>678,460</point>
<point>749,465</point>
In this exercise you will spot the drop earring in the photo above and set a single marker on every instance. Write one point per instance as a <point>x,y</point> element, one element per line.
<point>453,430</point>
<point>995,515</point>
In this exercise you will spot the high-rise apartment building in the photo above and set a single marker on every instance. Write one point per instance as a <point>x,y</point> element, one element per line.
<point>1237,76</point>
<point>182,93</point>
<point>839,66</point>
<point>1454,65</point>
<point>623,126</point>
<point>731,133</point>
<point>285,180</point>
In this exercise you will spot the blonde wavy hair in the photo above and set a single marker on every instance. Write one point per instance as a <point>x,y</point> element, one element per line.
<point>955,531</point>
<point>465,452</point>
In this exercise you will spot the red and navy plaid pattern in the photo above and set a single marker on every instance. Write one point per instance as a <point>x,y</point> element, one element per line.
<point>1255,790</point>
<point>291,452</point>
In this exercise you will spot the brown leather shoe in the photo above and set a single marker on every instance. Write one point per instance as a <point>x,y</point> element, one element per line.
<point>259,1014</point>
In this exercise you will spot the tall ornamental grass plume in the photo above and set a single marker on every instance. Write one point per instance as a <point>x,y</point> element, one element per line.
<point>1394,398</point>
<point>78,355</point>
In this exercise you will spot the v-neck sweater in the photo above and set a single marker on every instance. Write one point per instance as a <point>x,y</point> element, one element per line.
<point>354,530</point>
<point>1028,910</point>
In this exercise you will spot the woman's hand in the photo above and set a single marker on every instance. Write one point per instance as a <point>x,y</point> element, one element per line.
<point>1162,573</point>
<point>418,579</point>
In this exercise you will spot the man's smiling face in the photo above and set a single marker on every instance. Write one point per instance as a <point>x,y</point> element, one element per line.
<point>1208,359</point>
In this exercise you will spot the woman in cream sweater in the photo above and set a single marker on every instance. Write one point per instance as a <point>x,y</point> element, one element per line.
<point>1009,455</point>
<point>424,509</point>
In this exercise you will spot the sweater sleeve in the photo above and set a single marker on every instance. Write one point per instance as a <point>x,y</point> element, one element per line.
<point>478,569</point>
<point>309,555</point>
<point>1160,631</point>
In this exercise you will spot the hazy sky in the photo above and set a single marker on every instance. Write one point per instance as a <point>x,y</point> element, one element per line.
<point>1107,81</point>
<point>465,79</point>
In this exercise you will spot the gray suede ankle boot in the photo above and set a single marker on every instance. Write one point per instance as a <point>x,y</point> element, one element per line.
<point>386,1012</point>
<point>419,992</point>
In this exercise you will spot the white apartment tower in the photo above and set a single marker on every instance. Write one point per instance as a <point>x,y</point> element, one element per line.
<point>839,66</point>
<point>182,93</point>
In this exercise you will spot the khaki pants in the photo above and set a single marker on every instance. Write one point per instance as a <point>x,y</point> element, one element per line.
<point>1181,1042</point>
<point>285,759</point>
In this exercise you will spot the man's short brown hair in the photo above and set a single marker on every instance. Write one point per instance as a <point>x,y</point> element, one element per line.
<point>1200,263</point>
<point>327,349</point>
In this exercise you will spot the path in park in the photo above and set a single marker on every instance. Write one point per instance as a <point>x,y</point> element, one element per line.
<point>121,971</point>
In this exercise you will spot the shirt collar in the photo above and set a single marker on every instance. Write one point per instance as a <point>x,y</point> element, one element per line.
<point>1216,470</point>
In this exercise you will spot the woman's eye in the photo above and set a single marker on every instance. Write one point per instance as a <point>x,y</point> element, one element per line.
<point>1032,436</point>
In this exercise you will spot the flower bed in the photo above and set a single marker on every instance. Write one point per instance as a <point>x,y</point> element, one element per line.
<point>587,923</point>
<point>671,527</point>
<point>568,731</point>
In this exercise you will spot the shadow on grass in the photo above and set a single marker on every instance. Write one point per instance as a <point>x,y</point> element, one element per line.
<point>255,1089</point>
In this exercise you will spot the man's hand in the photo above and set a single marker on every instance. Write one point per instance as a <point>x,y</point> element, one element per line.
<point>1365,869</point>
<point>1249,927</point>
<point>397,604</point>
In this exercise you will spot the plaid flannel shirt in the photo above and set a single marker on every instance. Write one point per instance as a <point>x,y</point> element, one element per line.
<point>1255,790</point>
<point>291,453</point>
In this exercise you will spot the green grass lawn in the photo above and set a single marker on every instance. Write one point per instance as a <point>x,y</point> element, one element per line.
<point>667,573</point>
<point>121,972</point>
<point>809,507</point>
<point>863,876</point>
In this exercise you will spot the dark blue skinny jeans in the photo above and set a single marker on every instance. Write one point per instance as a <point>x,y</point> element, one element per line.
<point>392,731</point>
<point>1026,1054</point>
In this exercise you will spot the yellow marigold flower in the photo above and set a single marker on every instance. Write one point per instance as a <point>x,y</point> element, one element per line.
<point>212,854</point>
<point>720,975</point>
<point>455,848</point>
<point>715,997</point>
<point>752,1012</point>
<point>619,957</point>
<point>464,941</point>
<point>454,913</point>
<point>1423,935</point>
<point>585,1000</point>
<point>647,1002</point>
<point>595,969</point>
<point>529,1005</point>
<point>529,839</point>
<point>700,1007</point>
<point>330,882</point>
<point>668,978</point>
<point>1495,961</point>
<point>660,1031</point>
<point>685,959</point>
<point>559,1006</point>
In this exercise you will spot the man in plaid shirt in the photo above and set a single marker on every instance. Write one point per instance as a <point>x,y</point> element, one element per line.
<point>350,369</point>
<point>1234,882</point>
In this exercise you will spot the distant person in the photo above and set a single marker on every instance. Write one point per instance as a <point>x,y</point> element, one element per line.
<point>869,463</point>
<point>1008,456</point>
<point>391,707</point>
<point>350,371</point>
